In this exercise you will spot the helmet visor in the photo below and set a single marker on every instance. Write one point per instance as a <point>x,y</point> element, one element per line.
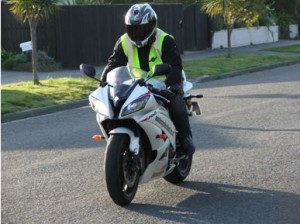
<point>139,32</point>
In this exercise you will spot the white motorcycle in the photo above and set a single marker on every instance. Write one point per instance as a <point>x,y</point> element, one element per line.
<point>141,138</point>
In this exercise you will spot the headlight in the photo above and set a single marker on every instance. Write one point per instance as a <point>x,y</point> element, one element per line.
<point>98,106</point>
<point>135,105</point>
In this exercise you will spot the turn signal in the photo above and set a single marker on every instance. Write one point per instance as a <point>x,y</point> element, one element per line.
<point>97,138</point>
<point>162,136</point>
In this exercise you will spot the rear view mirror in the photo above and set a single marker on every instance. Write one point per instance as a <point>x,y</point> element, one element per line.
<point>88,70</point>
<point>161,69</point>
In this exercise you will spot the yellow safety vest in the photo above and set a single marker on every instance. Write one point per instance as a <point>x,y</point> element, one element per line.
<point>155,53</point>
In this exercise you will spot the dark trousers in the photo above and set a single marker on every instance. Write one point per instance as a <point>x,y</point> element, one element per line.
<point>179,116</point>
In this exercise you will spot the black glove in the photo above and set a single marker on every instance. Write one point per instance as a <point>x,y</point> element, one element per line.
<point>168,94</point>
<point>176,89</point>
<point>153,90</point>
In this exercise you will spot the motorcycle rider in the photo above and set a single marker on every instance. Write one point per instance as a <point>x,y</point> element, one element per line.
<point>143,46</point>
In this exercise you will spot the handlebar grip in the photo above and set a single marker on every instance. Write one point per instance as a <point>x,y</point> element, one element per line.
<point>169,95</point>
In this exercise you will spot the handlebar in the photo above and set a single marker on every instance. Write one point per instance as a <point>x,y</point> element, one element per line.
<point>163,94</point>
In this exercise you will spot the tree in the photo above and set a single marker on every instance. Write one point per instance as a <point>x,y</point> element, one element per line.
<point>84,2</point>
<point>245,11</point>
<point>95,2</point>
<point>287,12</point>
<point>33,11</point>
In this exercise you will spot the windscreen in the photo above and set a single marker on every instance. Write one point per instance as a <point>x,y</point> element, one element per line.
<point>124,75</point>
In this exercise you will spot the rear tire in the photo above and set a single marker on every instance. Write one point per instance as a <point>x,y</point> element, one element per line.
<point>181,171</point>
<point>121,181</point>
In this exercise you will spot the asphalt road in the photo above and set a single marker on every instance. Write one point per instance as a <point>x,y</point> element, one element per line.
<point>246,168</point>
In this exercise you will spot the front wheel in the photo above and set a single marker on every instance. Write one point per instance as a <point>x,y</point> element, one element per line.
<point>181,171</point>
<point>121,180</point>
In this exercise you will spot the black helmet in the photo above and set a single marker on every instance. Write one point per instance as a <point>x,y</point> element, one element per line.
<point>141,22</point>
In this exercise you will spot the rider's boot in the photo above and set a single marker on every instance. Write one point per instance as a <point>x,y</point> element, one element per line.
<point>187,145</point>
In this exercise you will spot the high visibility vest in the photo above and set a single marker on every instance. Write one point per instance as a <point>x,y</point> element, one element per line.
<point>155,53</point>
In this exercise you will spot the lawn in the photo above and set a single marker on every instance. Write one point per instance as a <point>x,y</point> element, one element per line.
<point>223,64</point>
<point>292,48</point>
<point>24,95</point>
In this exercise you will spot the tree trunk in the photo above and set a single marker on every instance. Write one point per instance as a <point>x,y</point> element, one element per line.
<point>229,51</point>
<point>33,26</point>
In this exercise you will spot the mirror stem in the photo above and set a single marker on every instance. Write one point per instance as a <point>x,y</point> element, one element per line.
<point>97,79</point>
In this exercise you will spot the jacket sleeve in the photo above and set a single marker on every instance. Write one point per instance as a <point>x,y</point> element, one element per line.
<point>171,55</point>
<point>117,59</point>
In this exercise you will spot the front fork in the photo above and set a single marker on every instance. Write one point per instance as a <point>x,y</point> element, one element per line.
<point>133,146</point>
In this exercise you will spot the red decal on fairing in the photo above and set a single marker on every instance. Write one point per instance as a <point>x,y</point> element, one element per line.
<point>145,94</point>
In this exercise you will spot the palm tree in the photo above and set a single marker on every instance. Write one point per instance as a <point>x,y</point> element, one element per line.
<point>33,11</point>
<point>246,11</point>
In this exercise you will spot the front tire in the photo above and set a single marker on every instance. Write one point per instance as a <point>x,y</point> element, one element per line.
<point>121,181</point>
<point>181,171</point>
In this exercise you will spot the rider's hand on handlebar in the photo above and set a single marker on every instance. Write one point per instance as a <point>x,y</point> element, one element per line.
<point>168,94</point>
<point>177,89</point>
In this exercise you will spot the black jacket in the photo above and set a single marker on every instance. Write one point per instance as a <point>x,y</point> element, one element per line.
<point>170,55</point>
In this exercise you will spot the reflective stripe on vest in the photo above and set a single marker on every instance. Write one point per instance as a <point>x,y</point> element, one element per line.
<point>155,53</point>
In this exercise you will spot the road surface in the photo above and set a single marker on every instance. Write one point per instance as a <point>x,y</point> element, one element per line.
<point>246,167</point>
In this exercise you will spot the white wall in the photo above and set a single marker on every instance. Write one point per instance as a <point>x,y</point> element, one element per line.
<point>246,36</point>
<point>294,32</point>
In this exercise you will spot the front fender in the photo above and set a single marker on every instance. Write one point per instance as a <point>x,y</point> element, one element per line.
<point>134,140</point>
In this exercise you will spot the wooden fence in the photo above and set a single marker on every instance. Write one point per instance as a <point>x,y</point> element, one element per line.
<point>196,29</point>
<point>87,34</point>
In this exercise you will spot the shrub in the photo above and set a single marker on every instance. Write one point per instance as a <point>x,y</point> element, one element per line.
<point>284,20</point>
<point>216,23</point>
<point>287,12</point>
<point>267,17</point>
<point>11,61</point>
<point>44,59</point>
<point>4,55</point>
<point>20,58</point>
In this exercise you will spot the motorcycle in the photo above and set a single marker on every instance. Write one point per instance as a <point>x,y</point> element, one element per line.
<point>131,110</point>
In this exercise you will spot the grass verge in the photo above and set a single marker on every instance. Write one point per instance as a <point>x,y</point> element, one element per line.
<point>24,95</point>
<point>223,64</point>
<point>292,48</point>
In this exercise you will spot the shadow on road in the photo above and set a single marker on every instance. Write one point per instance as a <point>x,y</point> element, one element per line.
<point>214,136</point>
<point>222,203</point>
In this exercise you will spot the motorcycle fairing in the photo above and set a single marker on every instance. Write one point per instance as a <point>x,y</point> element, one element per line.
<point>101,94</point>
<point>157,120</point>
<point>158,167</point>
